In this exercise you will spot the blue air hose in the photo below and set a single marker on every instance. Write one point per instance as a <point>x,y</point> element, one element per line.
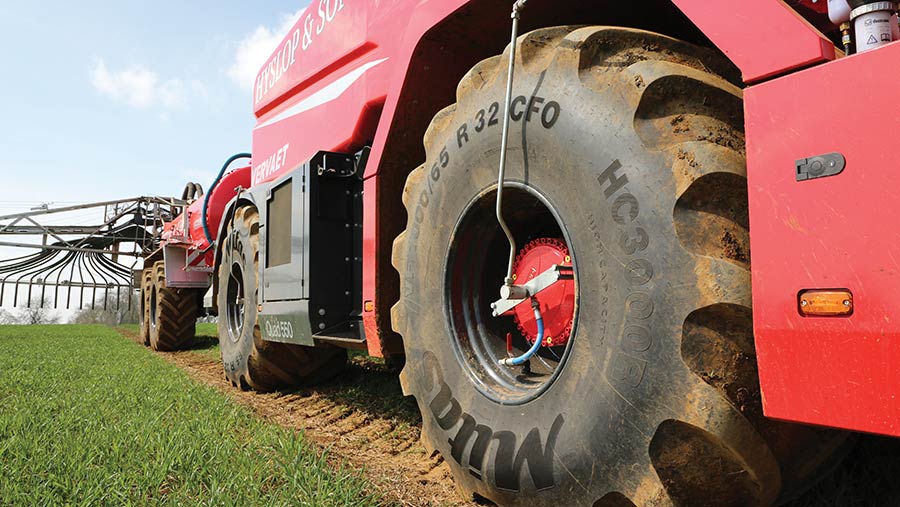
<point>516,361</point>
<point>210,192</point>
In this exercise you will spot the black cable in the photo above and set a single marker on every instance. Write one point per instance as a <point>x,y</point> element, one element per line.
<point>212,188</point>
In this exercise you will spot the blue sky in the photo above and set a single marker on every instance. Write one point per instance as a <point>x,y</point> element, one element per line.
<point>102,100</point>
<point>109,100</point>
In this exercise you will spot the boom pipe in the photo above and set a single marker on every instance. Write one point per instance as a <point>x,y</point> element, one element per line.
<point>7,226</point>
<point>33,230</point>
<point>69,248</point>
<point>110,221</point>
<point>47,231</point>
<point>147,200</point>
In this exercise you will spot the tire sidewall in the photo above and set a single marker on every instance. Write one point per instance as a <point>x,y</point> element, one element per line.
<point>625,322</point>
<point>235,354</point>
<point>146,288</point>
<point>157,287</point>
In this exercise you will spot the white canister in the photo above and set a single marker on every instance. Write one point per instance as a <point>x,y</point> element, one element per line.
<point>874,29</point>
<point>838,11</point>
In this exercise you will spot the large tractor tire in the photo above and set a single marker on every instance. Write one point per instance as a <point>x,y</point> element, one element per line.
<point>626,159</point>
<point>250,362</point>
<point>173,313</point>
<point>144,310</point>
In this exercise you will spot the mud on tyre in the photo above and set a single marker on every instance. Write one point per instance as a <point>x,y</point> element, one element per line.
<point>172,313</point>
<point>250,362</point>
<point>144,309</point>
<point>628,146</point>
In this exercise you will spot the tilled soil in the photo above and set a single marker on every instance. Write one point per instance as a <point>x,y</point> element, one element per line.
<point>364,421</point>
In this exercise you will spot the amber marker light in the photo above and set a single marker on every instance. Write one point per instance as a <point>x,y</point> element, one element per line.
<point>826,303</point>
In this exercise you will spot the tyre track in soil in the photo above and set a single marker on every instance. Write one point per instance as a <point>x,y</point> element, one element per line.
<point>364,421</point>
<point>361,420</point>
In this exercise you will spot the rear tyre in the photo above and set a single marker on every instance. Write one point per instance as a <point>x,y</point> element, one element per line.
<point>250,362</point>
<point>628,147</point>
<point>144,311</point>
<point>173,313</point>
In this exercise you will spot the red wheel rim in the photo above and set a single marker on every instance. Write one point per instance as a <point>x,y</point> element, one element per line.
<point>557,302</point>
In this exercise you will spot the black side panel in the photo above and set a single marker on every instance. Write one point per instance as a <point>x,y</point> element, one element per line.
<point>311,252</point>
<point>334,233</point>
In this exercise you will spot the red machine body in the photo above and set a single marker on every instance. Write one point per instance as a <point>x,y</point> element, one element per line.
<point>833,232</point>
<point>186,230</point>
<point>350,75</point>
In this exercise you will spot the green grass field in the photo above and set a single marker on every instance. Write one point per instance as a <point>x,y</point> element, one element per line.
<point>207,340</point>
<point>89,418</point>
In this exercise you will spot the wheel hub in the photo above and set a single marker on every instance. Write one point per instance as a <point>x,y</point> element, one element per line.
<point>234,313</point>
<point>153,307</point>
<point>557,301</point>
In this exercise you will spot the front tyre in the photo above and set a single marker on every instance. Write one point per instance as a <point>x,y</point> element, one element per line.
<point>250,362</point>
<point>626,158</point>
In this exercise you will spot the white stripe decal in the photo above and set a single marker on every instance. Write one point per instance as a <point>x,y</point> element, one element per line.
<point>331,92</point>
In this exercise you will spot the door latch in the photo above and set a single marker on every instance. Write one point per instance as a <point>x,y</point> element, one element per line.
<point>820,167</point>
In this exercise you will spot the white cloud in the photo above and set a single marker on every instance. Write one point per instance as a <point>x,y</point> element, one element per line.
<point>142,88</point>
<point>255,49</point>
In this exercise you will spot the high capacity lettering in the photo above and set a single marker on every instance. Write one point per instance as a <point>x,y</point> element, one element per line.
<point>314,23</point>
